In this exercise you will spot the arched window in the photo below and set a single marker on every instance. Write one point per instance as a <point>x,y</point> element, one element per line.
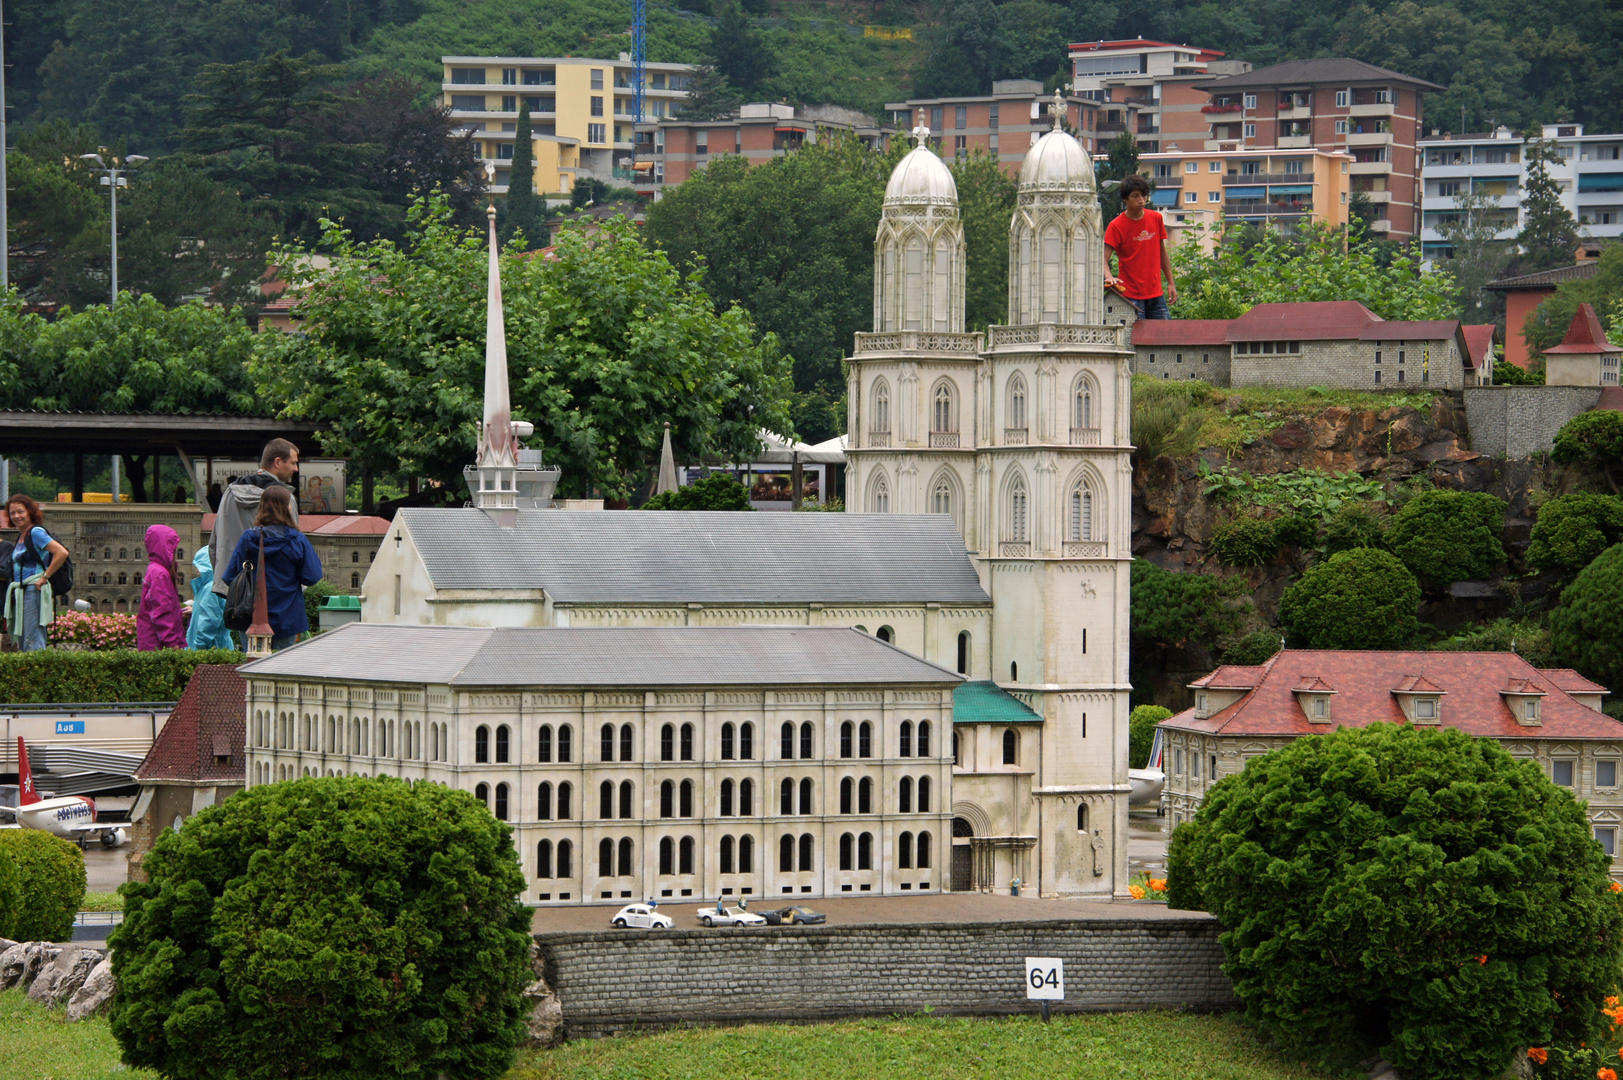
<point>924,738</point>
<point>726,798</point>
<point>1052,275</point>
<point>924,794</point>
<point>624,867</point>
<point>881,408</point>
<point>1011,747</point>
<point>667,855</point>
<point>565,734</point>
<point>565,790</point>
<point>786,854</point>
<point>1082,817</point>
<point>481,744</point>
<point>667,743</point>
<point>923,851</point>
<point>941,496</point>
<point>501,802</point>
<point>502,740</point>
<point>847,851</point>
<point>943,409</point>
<point>626,738</point>
<point>1014,671</point>
<point>605,858</point>
<point>543,743</point>
<point>726,859</point>
<point>806,796</point>
<point>684,856</point>
<point>687,742</point>
<point>123,578</point>
<point>1015,418</point>
<point>913,285</point>
<point>786,797</point>
<point>865,739</point>
<point>906,740</point>
<point>1082,414</point>
<point>865,851</point>
<point>746,741</point>
<point>480,791</point>
<point>904,796</point>
<point>865,796</point>
<point>847,787</point>
<point>606,739</point>
<point>605,800</point>
<point>941,286</point>
<point>845,738</point>
<point>355,556</point>
<point>904,851</point>
<point>963,652</point>
<point>1014,516</point>
<point>787,750</point>
<point>886,634</point>
<point>667,798</point>
<point>879,493</point>
<point>1079,523</point>
<point>543,802</point>
<point>727,742</point>
<point>746,798</point>
<point>355,581</point>
<point>566,859</point>
<point>807,734</point>
<point>806,851</point>
<point>746,855</point>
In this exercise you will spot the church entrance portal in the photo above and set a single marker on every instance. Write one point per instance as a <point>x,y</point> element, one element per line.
<point>963,864</point>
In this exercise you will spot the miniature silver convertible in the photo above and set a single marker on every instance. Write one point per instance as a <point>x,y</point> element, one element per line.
<point>709,916</point>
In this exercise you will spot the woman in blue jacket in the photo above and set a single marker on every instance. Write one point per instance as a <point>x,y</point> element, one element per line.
<point>290,564</point>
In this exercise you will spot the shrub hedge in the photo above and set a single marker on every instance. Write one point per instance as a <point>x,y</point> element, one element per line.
<point>50,875</point>
<point>53,676</point>
<point>1572,529</point>
<point>1449,536</point>
<point>1587,629</point>
<point>1245,541</point>
<point>1358,599</point>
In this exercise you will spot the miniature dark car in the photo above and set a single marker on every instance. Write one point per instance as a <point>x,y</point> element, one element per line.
<point>795,914</point>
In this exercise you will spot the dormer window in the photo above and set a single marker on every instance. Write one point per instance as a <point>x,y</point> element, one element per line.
<point>1200,702</point>
<point>1321,708</point>
<point>1425,708</point>
<point>1530,711</point>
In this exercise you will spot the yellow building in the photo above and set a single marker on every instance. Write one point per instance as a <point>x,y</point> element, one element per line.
<point>580,113</point>
<point>1279,186</point>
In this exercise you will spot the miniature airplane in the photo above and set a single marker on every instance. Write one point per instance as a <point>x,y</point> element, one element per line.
<point>71,817</point>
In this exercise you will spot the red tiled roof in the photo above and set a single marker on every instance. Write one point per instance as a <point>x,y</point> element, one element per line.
<point>1418,684</point>
<point>1316,320</point>
<point>208,723</point>
<point>1231,677</point>
<point>1584,336</point>
<point>1472,681</point>
<point>1312,684</point>
<point>1430,330</point>
<point>1569,681</point>
<point>1547,280</point>
<point>1525,687</point>
<point>1181,332</point>
<point>1478,343</point>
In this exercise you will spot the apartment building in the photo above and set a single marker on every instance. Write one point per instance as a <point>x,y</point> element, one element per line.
<point>581,113</point>
<point>1148,88</point>
<point>669,151</point>
<point>1371,113</point>
<point>1005,122</point>
<point>1590,176</point>
<point>1282,187</point>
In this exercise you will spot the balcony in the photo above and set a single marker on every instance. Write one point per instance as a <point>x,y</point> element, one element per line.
<point>1369,138</point>
<point>943,440</point>
<point>1049,334</point>
<point>1085,549</point>
<point>1245,179</point>
<point>1148,129</point>
<point>1385,108</point>
<point>1014,549</point>
<point>1086,436</point>
<point>878,440</point>
<point>1014,436</point>
<point>936,341</point>
<point>1175,181</point>
<point>1294,142</point>
<point>1213,110</point>
<point>1369,168</point>
<point>1107,127</point>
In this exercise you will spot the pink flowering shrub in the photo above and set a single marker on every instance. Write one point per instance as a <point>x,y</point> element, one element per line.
<point>89,628</point>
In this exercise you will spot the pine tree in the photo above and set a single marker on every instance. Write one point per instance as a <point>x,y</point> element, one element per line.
<point>710,96</point>
<point>1550,236</point>
<point>1122,162</point>
<point>523,211</point>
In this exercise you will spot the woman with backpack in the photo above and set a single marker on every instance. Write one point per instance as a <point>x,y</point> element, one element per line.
<point>30,603</point>
<point>290,564</point>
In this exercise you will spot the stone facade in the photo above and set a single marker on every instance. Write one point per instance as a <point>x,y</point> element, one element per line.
<point>827,973</point>
<point>1356,365</point>
<point>108,545</point>
<point>1208,363</point>
<point>1521,421</point>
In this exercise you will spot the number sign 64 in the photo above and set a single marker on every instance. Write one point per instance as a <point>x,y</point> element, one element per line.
<point>1045,978</point>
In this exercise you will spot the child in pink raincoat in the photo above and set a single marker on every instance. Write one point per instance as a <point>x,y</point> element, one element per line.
<point>158,624</point>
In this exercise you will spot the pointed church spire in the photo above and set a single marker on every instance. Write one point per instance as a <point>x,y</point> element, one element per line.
<point>667,465</point>
<point>259,631</point>
<point>496,463</point>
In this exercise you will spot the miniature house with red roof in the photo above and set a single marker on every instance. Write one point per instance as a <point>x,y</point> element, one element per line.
<point>1550,716</point>
<point>1585,357</point>
<point>1338,343</point>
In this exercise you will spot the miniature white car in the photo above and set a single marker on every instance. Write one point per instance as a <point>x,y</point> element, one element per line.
<point>710,916</point>
<point>641,915</point>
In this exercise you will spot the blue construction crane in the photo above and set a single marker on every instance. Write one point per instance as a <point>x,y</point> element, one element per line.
<point>639,58</point>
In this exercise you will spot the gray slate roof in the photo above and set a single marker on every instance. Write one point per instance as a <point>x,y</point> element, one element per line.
<point>1336,69</point>
<point>696,557</point>
<point>763,656</point>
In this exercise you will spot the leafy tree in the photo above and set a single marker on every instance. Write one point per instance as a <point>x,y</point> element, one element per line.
<point>1032,35</point>
<point>1257,647</point>
<point>1141,733</point>
<point>1412,892</point>
<point>710,95</point>
<point>966,53</point>
<point>523,211</point>
<point>1549,236</point>
<point>1507,374</point>
<point>1121,161</point>
<point>1359,599</point>
<point>332,927</point>
<point>183,235</point>
<point>604,343</point>
<point>49,872</point>
<point>1572,529</point>
<point>1586,630</point>
<point>986,196</point>
<point>1245,541</point>
<point>1548,323</point>
<point>1593,439</point>
<point>1175,609</point>
<point>1449,536</point>
<point>741,56</point>
<point>588,190</point>
<point>1477,254</point>
<point>719,492</point>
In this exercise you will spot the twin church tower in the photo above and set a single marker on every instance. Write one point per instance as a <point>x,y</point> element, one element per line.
<point>1023,436</point>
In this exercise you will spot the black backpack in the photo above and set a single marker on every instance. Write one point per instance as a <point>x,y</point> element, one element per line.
<point>62,580</point>
<point>239,597</point>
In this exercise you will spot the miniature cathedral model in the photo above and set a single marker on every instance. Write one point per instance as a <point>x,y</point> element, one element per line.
<point>1024,440</point>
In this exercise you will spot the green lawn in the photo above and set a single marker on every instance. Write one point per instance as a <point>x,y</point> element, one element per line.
<point>102,901</point>
<point>38,1044</point>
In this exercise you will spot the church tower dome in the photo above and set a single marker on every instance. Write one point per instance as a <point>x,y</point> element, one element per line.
<point>1056,252</point>
<point>919,249</point>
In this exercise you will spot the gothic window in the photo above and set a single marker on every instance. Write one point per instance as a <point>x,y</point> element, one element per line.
<point>1015,513</point>
<point>941,496</point>
<point>1081,512</point>
<point>942,286</point>
<point>1017,402</point>
<point>963,652</point>
<point>1082,415</point>
<point>879,494</point>
<point>913,286</point>
<point>887,296</point>
<point>1051,275</point>
<point>1024,277</point>
<point>1080,270</point>
<point>881,407</point>
<point>943,409</point>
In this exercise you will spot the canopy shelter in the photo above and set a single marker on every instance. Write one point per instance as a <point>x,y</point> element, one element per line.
<point>136,436</point>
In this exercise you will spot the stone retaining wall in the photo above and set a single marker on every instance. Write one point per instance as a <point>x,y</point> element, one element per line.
<point>613,981</point>
<point>1521,421</point>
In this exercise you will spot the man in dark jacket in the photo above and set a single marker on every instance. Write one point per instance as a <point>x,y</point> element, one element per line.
<point>278,465</point>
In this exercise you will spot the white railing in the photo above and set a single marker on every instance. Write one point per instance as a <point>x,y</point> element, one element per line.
<point>879,440</point>
<point>943,440</point>
<point>1112,337</point>
<point>938,341</point>
<point>1014,549</point>
<point>1084,549</point>
<point>1086,436</point>
<point>1014,436</point>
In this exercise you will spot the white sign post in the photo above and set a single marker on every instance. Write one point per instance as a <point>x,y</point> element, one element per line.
<point>1045,981</point>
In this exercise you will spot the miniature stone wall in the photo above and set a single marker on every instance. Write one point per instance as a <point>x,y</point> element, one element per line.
<point>617,980</point>
<point>1208,363</point>
<point>1520,421</point>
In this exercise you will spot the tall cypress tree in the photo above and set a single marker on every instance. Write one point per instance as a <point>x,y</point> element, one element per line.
<point>523,210</point>
<point>1549,236</point>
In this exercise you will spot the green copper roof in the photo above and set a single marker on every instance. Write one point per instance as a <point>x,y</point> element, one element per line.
<point>987,703</point>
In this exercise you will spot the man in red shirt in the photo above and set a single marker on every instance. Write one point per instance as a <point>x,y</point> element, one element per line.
<point>1138,238</point>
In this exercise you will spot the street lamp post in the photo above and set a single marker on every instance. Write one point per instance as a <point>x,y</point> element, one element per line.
<point>112,176</point>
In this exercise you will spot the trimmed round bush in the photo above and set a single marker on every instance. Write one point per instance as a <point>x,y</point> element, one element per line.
<point>1244,541</point>
<point>719,492</point>
<point>1572,529</point>
<point>1141,733</point>
<point>337,927</point>
<point>1297,531</point>
<point>1586,630</point>
<point>50,875</point>
<point>1356,524</point>
<point>1449,536</point>
<point>1255,648</point>
<point>1412,892</point>
<point>1359,599</point>
<point>1593,439</point>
